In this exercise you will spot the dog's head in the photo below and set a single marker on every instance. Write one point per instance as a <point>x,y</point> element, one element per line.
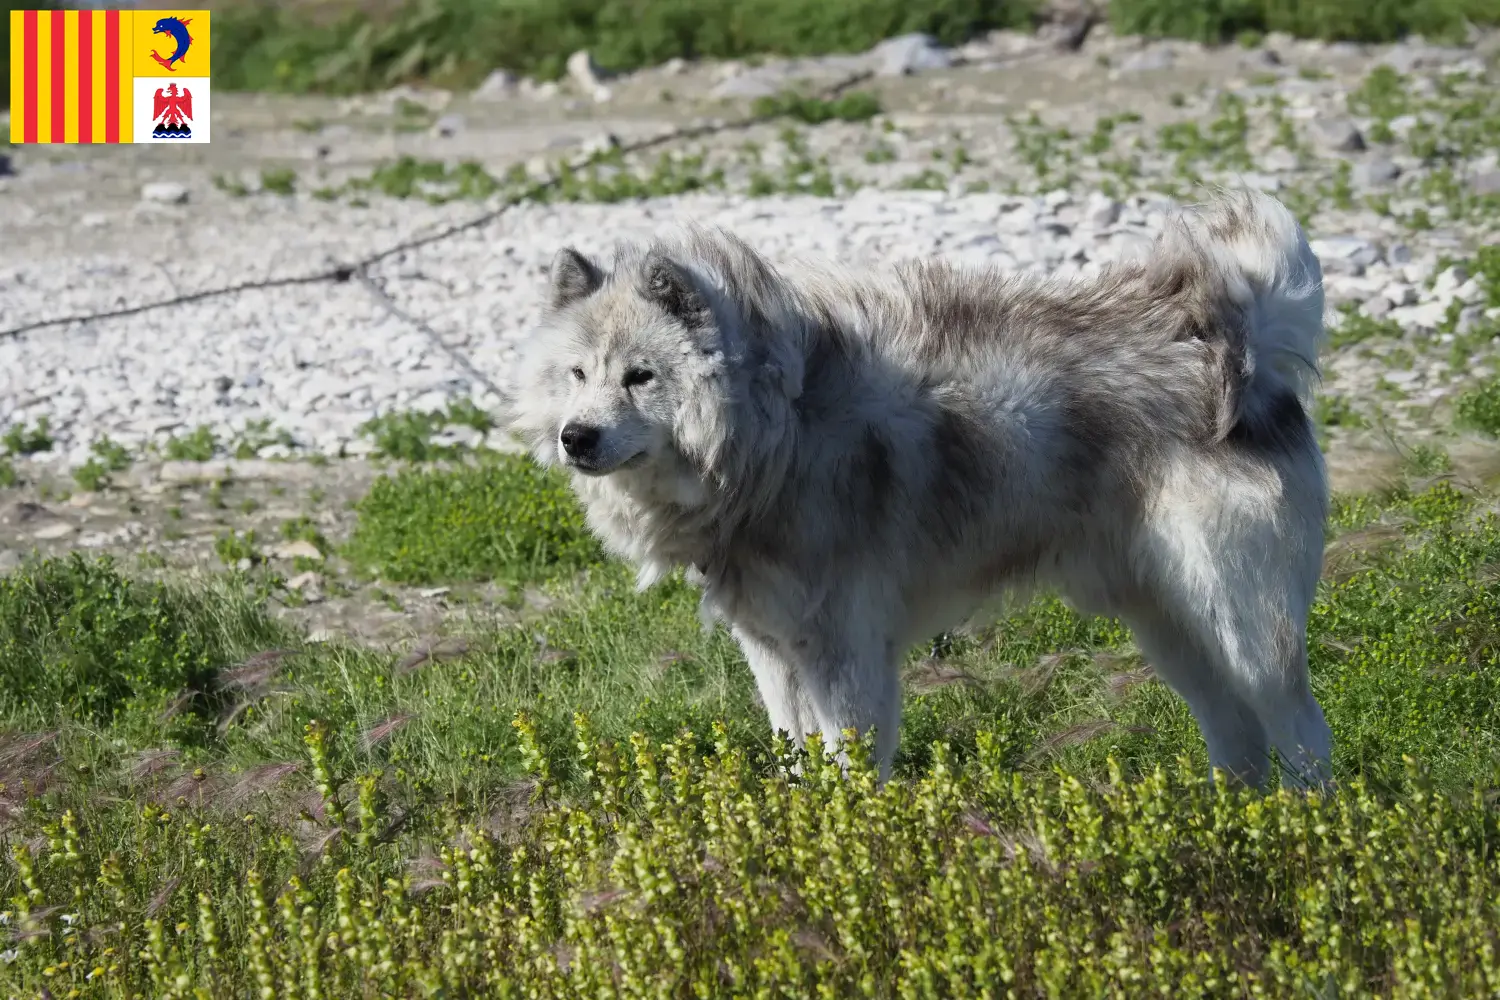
<point>648,368</point>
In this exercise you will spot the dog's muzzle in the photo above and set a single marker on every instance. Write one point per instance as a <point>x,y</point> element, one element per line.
<point>583,449</point>
<point>579,441</point>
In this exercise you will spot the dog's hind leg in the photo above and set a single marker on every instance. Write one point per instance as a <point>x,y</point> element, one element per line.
<point>1237,739</point>
<point>1235,565</point>
<point>1248,690</point>
<point>1295,722</point>
<point>1271,580</point>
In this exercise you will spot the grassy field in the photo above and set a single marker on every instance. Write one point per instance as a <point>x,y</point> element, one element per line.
<point>583,798</point>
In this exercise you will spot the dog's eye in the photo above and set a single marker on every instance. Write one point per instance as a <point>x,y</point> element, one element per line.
<point>637,376</point>
<point>578,374</point>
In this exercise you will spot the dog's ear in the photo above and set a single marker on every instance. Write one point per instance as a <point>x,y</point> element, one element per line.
<point>574,277</point>
<point>671,286</point>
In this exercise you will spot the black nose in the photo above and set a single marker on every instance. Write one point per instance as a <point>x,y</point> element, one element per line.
<point>578,439</point>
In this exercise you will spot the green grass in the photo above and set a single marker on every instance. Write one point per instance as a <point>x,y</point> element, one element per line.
<point>1042,147</point>
<point>18,441</point>
<point>612,176</point>
<point>23,439</point>
<point>407,435</point>
<point>346,47</point>
<point>589,803</point>
<point>81,643</point>
<point>1487,265</point>
<point>608,179</point>
<point>199,445</point>
<point>409,177</point>
<point>257,435</point>
<point>925,180</point>
<point>1461,121</point>
<point>108,457</point>
<point>1350,20</point>
<point>232,186</point>
<point>1356,328</point>
<point>279,180</point>
<point>855,106</point>
<point>1336,411</point>
<point>234,547</point>
<point>502,518</point>
<point>1223,142</point>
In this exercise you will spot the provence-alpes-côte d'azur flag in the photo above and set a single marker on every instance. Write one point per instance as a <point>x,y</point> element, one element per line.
<point>109,76</point>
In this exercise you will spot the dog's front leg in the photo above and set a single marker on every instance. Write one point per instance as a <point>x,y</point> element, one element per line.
<point>853,682</point>
<point>779,682</point>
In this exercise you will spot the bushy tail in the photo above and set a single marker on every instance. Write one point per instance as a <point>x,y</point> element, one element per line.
<point>1255,255</point>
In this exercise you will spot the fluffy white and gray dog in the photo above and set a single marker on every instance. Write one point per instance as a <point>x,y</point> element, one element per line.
<point>850,462</point>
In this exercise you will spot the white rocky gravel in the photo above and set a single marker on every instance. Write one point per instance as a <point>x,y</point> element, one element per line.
<point>317,360</point>
<point>320,359</point>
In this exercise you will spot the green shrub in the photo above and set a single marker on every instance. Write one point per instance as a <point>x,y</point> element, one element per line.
<point>406,436</point>
<point>91,475</point>
<point>80,641</point>
<point>257,435</point>
<point>233,546</point>
<point>684,874</point>
<point>1349,20</point>
<point>466,413</point>
<point>108,457</point>
<point>268,46</point>
<point>855,106</point>
<point>1336,411</point>
<point>1487,267</point>
<point>503,518</point>
<point>114,456</point>
<point>278,180</point>
<point>1376,20</point>
<point>198,446</point>
<point>1355,327</point>
<point>1479,408</point>
<point>1204,20</point>
<point>21,439</point>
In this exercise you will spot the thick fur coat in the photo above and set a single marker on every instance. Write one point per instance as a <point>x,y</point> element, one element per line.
<point>850,462</point>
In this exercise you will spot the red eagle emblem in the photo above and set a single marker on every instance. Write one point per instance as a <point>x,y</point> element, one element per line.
<point>172,110</point>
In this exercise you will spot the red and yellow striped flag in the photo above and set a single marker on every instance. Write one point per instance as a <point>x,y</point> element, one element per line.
<point>99,75</point>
